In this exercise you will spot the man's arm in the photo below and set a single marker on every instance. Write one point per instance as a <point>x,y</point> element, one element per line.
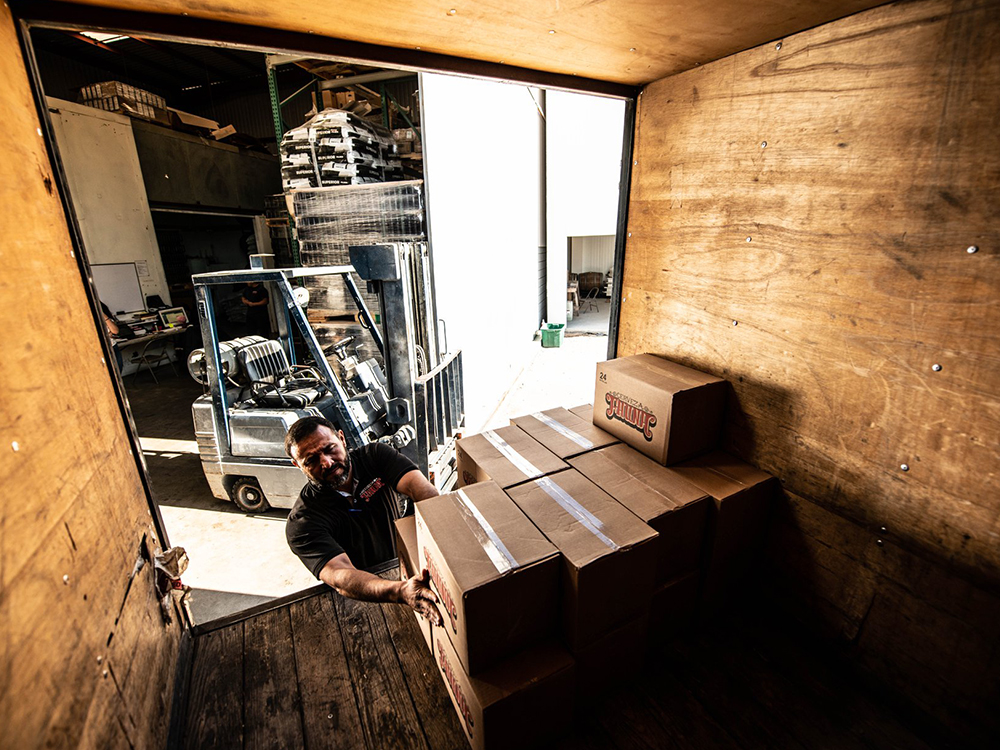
<point>414,485</point>
<point>340,574</point>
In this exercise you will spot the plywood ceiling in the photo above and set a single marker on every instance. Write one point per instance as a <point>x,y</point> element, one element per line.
<point>623,41</point>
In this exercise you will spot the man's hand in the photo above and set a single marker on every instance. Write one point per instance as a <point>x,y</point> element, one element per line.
<point>416,593</point>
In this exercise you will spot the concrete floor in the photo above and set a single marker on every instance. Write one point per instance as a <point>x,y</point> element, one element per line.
<point>240,560</point>
<point>593,318</point>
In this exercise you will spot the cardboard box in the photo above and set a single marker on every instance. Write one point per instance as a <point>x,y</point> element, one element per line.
<point>526,700</point>
<point>667,411</point>
<point>508,456</point>
<point>673,608</point>
<point>343,99</point>
<point>742,495</point>
<point>584,412</point>
<point>563,433</point>
<point>671,505</point>
<point>608,554</point>
<point>612,661</point>
<point>406,551</point>
<point>496,575</point>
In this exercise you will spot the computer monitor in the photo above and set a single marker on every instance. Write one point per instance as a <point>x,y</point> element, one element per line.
<point>173,317</point>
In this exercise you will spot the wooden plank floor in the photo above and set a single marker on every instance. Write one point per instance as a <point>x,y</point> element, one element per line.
<point>328,672</point>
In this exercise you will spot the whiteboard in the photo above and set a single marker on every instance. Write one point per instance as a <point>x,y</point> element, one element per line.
<point>118,286</point>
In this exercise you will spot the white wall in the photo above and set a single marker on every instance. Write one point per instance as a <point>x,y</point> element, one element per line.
<point>583,154</point>
<point>592,254</point>
<point>106,189</point>
<point>482,152</point>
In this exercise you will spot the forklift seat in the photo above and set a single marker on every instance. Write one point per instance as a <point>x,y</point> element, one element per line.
<point>272,380</point>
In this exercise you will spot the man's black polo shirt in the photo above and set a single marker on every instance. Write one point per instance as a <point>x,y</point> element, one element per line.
<point>323,523</point>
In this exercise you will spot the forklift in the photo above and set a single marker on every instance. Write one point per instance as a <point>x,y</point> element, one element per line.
<point>257,387</point>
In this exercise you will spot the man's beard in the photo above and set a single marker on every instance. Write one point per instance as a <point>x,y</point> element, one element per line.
<point>330,480</point>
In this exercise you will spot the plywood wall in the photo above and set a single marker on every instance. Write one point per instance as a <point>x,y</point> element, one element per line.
<point>85,656</point>
<point>802,222</point>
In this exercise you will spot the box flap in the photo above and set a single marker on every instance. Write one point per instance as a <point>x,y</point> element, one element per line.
<point>406,532</point>
<point>640,484</point>
<point>720,474</point>
<point>482,533</point>
<point>581,520</point>
<point>518,457</point>
<point>563,432</point>
<point>584,412</point>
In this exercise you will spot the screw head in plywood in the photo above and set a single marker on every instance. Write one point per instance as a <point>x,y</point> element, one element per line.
<point>904,467</point>
<point>736,322</point>
<point>629,234</point>
<point>936,367</point>
<point>452,12</point>
<point>778,45</point>
<point>879,542</point>
<point>631,49</point>
<point>100,659</point>
<point>66,580</point>
<point>763,144</point>
<point>15,446</point>
<point>552,31</point>
<point>749,239</point>
<point>972,249</point>
<point>104,674</point>
<point>883,530</point>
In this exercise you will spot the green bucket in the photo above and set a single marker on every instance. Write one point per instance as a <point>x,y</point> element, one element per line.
<point>552,334</point>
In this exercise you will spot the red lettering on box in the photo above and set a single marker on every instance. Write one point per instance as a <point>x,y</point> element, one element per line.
<point>460,700</point>
<point>446,598</point>
<point>632,415</point>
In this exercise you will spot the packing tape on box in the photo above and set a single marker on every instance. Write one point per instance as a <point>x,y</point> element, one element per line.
<point>563,430</point>
<point>492,545</point>
<point>589,521</point>
<point>523,465</point>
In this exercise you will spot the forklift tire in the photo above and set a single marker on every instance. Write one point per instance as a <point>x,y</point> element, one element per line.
<point>248,497</point>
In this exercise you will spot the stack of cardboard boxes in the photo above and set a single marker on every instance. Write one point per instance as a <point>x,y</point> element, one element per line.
<point>577,537</point>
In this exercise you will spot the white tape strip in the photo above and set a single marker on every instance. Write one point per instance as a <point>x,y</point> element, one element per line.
<point>563,430</point>
<point>524,465</point>
<point>492,545</point>
<point>589,521</point>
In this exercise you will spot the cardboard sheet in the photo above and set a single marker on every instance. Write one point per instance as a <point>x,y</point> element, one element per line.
<point>608,554</point>
<point>658,495</point>
<point>508,456</point>
<point>667,411</point>
<point>564,433</point>
<point>497,576</point>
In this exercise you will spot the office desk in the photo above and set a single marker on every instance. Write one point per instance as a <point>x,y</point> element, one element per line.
<point>144,357</point>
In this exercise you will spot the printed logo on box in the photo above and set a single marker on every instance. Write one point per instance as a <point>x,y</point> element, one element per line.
<point>446,598</point>
<point>460,700</point>
<point>630,412</point>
